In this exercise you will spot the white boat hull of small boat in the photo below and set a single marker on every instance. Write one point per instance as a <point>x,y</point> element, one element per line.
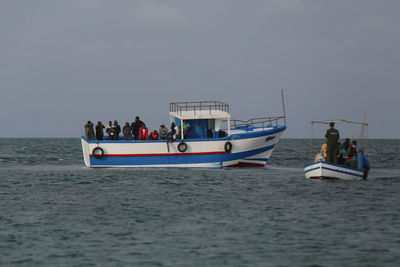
<point>325,170</point>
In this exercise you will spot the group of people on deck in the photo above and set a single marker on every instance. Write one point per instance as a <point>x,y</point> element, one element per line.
<point>137,130</point>
<point>345,154</point>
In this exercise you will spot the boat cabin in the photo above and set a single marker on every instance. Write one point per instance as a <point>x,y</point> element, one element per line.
<point>205,118</point>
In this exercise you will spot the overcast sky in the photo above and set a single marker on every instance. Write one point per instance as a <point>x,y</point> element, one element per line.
<point>65,62</point>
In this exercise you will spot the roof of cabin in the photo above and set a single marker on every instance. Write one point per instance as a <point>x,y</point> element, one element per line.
<point>199,110</point>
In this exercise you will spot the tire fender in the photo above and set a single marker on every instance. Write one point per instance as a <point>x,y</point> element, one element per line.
<point>98,152</point>
<point>228,147</point>
<point>182,147</point>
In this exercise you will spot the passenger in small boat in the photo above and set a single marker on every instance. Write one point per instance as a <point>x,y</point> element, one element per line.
<point>365,163</point>
<point>108,131</point>
<point>332,138</point>
<point>89,132</point>
<point>163,132</point>
<point>341,160</point>
<point>143,133</point>
<point>352,158</point>
<point>153,135</point>
<point>127,131</point>
<point>186,129</point>
<point>117,130</point>
<point>136,125</point>
<point>345,148</point>
<point>99,130</point>
<point>353,149</point>
<point>323,151</point>
<point>321,156</point>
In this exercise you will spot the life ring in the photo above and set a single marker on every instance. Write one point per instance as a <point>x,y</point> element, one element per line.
<point>228,147</point>
<point>182,147</point>
<point>98,152</point>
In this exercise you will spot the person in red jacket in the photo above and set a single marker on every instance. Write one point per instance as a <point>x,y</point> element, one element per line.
<point>153,135</point>
<point>143,133</point>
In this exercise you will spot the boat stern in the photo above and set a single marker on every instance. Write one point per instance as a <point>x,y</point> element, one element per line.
<point>85,151</point>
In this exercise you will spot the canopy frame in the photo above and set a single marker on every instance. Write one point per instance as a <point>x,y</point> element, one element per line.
<point>363,124</point>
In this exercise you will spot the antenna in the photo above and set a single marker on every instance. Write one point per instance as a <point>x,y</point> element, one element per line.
<point>283,105</point>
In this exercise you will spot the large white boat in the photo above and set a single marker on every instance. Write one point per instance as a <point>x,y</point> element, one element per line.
<point>214,141</point>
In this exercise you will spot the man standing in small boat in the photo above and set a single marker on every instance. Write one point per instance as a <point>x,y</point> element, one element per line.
<point>332,138</point>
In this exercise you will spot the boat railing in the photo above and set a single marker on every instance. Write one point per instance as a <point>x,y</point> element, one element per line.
<point>210,106</point>
<point>257,122</point>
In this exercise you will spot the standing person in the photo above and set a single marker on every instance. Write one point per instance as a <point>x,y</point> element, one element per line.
<point>163,131</point>
<point>127,131</point>
<point>172,133</point>
<point>117,130</point>
<point>177,132</point>
<point>109,131</point>
<point>136,125</point>
<point>89,132</point>
<point>332,138</point>
<point>143,133</point>
<point>99,131</point>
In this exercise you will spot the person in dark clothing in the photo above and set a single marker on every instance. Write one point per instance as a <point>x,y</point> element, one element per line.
<point>344,149</point>
<point>89,132</point>
<point>127,131</point>
<point>99,131</point>
<point>109,131</point>
<point>353,149</point>
<point>136,125</point>
<point>117,130</point>
<point>351,160</point>
<point>86,127</point>
<point>163,132</point>
<point>346,144</point>
<point>172,133</point>
<point>332,138</point>
<point>340,157</point>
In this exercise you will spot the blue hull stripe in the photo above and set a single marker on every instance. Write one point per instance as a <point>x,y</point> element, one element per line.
<point>350,173</point>
<point>176,159</point>
<point>310,170</point>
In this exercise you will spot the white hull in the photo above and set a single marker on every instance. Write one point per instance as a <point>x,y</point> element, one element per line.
<point>248,149</point>
<point>325,170</point>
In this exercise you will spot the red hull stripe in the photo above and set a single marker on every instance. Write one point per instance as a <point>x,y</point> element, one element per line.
<point>161,154</point>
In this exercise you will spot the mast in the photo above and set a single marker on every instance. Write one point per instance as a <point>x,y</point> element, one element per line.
<point>362,132</point>
<point>283,106</point>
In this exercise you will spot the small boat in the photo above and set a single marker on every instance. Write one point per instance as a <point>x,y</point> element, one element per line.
<point>327,170</point>
<point>209,145</point>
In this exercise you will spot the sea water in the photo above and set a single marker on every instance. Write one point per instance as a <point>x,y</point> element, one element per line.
<point>56,212</point>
